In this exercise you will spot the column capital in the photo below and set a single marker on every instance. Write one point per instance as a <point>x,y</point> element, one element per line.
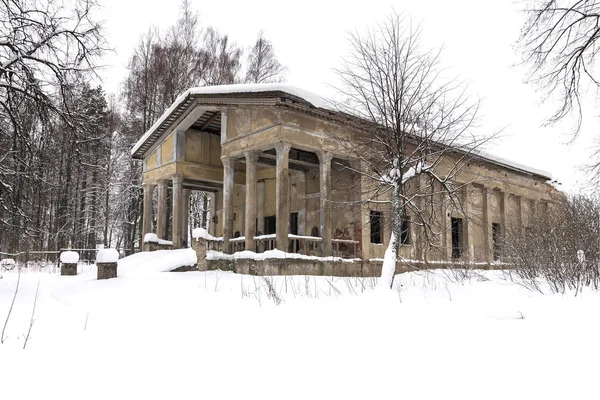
<point>282,147</point>
<point>251,156</point>
<point>227,161</point>
<point>177,179</point>
<point>325,157</point>
<point>148,185</point>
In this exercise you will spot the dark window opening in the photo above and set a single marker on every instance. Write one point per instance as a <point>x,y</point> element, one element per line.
<point>496,240</point>
<point>457,237</point>
<point>376,219</point>
<point>270,225</point>
<point>294,246</point>
<point>236,234</point>
<point>314,231</point>
<point>405,231</point>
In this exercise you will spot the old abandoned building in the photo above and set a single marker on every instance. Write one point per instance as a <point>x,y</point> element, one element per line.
<point>269,157</point>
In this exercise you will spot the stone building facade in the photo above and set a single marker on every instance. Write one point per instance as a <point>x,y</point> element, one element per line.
<point>270,158</point>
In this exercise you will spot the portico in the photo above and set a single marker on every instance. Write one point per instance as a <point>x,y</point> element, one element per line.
<point>263,169</point>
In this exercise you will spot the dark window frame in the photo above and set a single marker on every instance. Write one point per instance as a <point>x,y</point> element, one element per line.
<point>405,231</point>
<point>496,240</point>
<point>457,227</point>
<point>376,227</point>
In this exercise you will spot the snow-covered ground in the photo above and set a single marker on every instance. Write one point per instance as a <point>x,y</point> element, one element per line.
<point>216,335</point>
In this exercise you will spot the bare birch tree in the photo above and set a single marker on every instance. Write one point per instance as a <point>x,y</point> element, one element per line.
<point>415,127</point>
<point>263,66</point>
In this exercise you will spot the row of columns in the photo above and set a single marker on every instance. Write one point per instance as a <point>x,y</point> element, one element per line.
<point>282,195</point>
<point>488,220</point>
<point>181,204</point>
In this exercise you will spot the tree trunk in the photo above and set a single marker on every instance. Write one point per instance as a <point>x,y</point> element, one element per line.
<point>388,269</point>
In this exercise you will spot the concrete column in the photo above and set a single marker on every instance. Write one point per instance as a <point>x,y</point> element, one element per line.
<point>364,193</point>
<point>325,209</point>
<point>533,211</point>
<point>488,241</point>
<point>261,207</point>
<point>418,237</point>
<point>282,194</point>
<point>177,194</point>
<point>250,226</point>
<point>185,217</point>
<point>228,188</point>
<point>440,220</point>
<point>161,215</point>
<point>147,212</point>
<point>468,226</point>
<point>519,218</point>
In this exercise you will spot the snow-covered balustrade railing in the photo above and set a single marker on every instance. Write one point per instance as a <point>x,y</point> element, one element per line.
<point>152,242</point>
<point>265,242</point>
<point>238,244</point>
<point>344,247</point>
<point>212,243</point>
<point>273,254</point>
<point>309,245</point>
<point>307,238</point>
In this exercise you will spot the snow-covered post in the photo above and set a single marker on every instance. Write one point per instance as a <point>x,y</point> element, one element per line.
<point>107,261</point>
<point>68,262</point>
<point>150,242</point>
<point>199,236</point>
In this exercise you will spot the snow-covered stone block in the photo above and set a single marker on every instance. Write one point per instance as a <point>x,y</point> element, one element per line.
<point>68,260</point>
<point>107,262</point>
<point>69,257</point>
<point>201,233</point>
<point>107,256</point>
<point>151,238</point>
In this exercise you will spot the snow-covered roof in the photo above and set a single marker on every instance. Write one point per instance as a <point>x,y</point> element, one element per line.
<point>311,98</point>
<point>513,164</point>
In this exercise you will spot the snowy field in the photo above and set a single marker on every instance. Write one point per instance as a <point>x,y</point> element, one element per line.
<point>216,335</point>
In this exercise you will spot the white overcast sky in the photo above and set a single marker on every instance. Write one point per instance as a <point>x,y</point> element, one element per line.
<point>310,38</point>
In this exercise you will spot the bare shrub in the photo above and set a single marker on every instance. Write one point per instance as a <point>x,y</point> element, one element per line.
<point>559,246</point>
<point>2,337</point>
<point>272,293</point>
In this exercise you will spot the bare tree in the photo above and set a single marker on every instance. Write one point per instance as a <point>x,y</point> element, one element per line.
<point>45,48</point>
<point>414,128</point>
<point>559,41</point>
<point>223,59</point>
<point>263,66</point>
